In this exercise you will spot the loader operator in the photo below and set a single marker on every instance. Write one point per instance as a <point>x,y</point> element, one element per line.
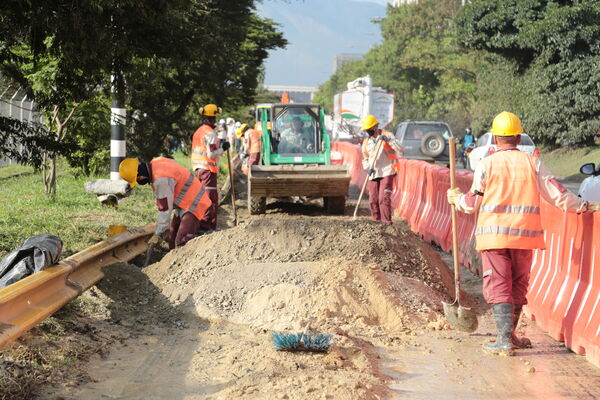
<point>296,139</point>
<point>383,172</point>
<point>205,154</point>
<point>507,189</point>
<point>177,192</point>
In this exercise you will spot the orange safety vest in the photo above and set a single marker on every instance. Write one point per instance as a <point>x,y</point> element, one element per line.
<point>387,150</point>
<point>253,141</point>
<point>190,195</point>
<point>509,215</point>
<point>200,151</point>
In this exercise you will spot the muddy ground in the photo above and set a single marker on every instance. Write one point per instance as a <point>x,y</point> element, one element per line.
<point>197,323</point>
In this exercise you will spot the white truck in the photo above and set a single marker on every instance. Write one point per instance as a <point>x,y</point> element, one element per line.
<point>361,99</point>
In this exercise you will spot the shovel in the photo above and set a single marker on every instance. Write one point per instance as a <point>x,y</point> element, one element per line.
<point>232,187</point>
<point>364,186</point>
<point>461,318</point>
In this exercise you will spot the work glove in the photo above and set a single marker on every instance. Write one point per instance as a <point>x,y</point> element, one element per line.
<point>372,172</point>
<point>453,195</point>
<point>154,240</point>
<point>384,138</point>
<point>225,146</point>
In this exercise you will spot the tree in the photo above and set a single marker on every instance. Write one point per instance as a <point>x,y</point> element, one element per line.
<point>554,47</point>
<point>174,56</point>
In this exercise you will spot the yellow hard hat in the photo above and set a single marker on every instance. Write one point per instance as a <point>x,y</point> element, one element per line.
<point>210,110</point>
<point>368,122</point>
<point>240,131</point>
<point>506,124</point>
<point>128,170</point>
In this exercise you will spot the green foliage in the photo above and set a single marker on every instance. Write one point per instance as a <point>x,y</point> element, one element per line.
<point>174,56</point>
<point>546,67</point>
<point>420,62</point>
<point>75,216</point>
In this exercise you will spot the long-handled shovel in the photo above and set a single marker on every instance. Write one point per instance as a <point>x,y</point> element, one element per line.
<point>461,318</point>
<point>364,186</point>
<point>232,187</point>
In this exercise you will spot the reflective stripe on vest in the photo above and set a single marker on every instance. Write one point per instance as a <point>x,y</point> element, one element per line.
<point>510,209</point>
<point>509,215</point>
<point>184,190</point>
<point>502,230</point>
<point>197,200</point>
<point>190,195</point>
<point>199,156</point>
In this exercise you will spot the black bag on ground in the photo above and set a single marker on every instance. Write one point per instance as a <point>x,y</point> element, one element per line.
<point>35,254</point>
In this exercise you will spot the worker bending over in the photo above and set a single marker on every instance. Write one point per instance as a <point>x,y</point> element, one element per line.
<point>205,155</point>
<point>382,175</point>
<point>507,189</point>
<point>176,190</point>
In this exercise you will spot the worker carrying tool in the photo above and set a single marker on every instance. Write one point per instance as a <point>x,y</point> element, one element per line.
<point>381,162</point>
<point>177,192</point>
<point>507,189</point>
<point>205,154</point>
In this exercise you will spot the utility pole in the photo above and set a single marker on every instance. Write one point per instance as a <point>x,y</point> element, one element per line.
<point>117,124</point>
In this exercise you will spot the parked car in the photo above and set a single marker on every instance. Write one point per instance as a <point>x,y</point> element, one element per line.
<point>425,140</point>
<point>590,187</point>
<point>485,147</point>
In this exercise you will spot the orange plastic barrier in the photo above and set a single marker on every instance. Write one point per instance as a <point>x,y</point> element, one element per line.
<point>564,288</point>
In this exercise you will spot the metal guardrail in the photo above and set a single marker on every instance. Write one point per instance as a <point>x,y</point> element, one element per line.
<point>29,301</point>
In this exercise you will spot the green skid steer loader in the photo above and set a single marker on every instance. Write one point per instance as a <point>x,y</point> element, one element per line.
<point>295,159</point>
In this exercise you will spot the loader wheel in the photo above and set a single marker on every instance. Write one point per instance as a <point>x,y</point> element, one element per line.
<point>335,204</point>
<point>257,205</point>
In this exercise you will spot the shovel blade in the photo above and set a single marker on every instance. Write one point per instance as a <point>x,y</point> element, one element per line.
<point>460,318</point>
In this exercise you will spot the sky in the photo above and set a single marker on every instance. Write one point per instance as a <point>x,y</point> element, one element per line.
<point>317,30</point>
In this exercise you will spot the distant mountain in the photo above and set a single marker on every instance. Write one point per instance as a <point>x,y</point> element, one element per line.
<point>317,30</point>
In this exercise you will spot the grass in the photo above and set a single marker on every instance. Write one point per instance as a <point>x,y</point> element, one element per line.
<point>565,163</point>
<point>75,216</point>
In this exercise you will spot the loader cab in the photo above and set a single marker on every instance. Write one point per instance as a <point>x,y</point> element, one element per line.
<point>296,136</point>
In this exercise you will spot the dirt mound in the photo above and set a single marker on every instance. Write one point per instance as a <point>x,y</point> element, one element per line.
<point>289,273</point>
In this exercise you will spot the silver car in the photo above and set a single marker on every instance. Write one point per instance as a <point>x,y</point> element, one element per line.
<point>425,140</point>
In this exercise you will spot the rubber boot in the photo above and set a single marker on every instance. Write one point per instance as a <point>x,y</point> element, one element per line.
<point>503,314</point>
<point>523,342</point>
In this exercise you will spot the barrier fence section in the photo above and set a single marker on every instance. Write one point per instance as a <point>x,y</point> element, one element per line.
<point>564,288</point>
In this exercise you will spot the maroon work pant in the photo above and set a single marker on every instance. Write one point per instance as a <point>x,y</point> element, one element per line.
<point>209,180</point>
<point>182,229</point>
<point>506,275</point>
<point>380,198</point>
<point>254,159</point>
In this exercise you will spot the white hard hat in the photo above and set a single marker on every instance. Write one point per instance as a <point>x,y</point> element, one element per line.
<point>237,124</point>
<point>221,121</point>
<point>230,120</point>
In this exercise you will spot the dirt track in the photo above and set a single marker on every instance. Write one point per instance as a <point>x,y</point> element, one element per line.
<point>197,323</point>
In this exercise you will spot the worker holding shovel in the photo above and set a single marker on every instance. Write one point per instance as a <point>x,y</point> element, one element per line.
<point>507,189</point>
<point>177,192</point>
<point>381,162</point>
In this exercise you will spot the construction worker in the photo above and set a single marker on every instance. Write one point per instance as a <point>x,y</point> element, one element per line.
<point>176,189</point>
<point>384,159</point>
<point>205,155</point>
<point>507,189</point>
<point>253,143</point>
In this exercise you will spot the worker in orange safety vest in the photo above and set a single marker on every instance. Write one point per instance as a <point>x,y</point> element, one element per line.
<point>383,173</point>
<point>253,144</point>
<point>204,156</point>
<point>508,187</point>
<point>176,190</point>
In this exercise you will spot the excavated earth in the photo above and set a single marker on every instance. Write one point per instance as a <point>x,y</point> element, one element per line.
<point>197,324</point>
